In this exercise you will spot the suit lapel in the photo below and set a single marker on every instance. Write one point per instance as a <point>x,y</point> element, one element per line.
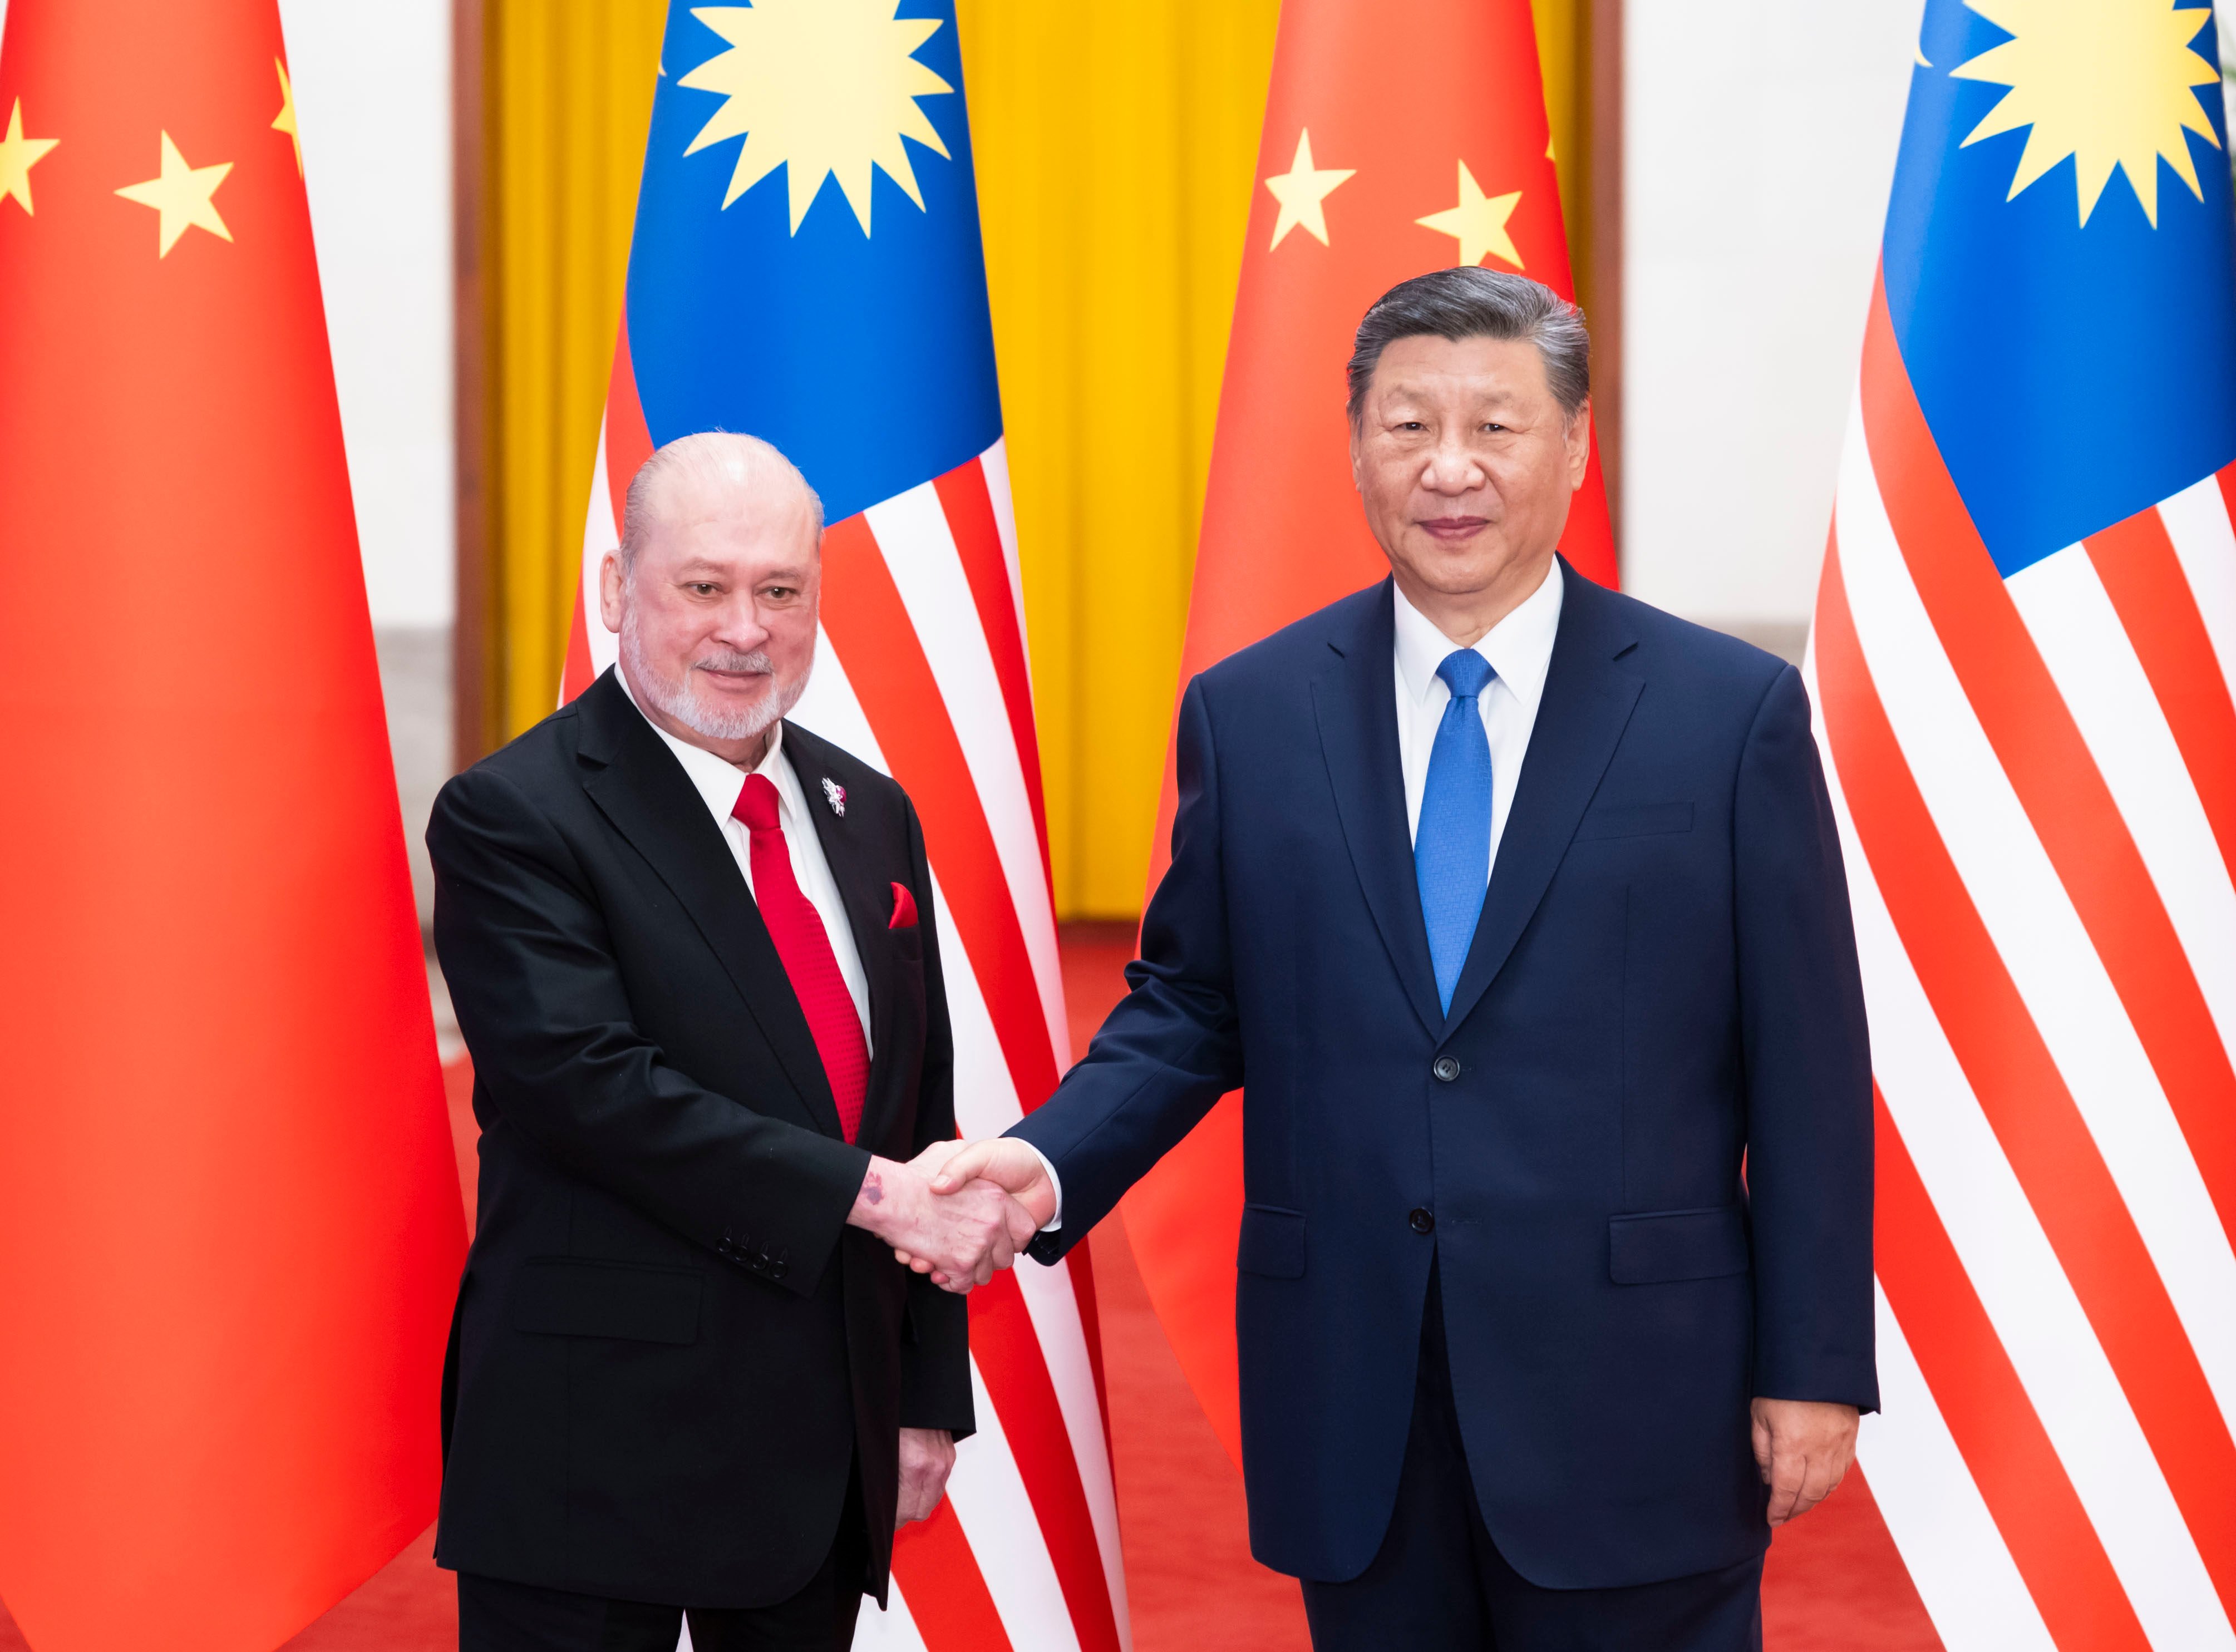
<point>638,786</point>
<point>1354,701</point>
<point>1587,703</point>
<point>864,880</point>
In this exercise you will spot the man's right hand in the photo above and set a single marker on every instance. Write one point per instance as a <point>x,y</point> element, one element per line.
<point>956,1169</point>
<point>962,1237</point>
<point>1003,1160</point>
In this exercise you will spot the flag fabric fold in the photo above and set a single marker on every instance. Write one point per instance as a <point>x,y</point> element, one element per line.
<point>2022,662</point>
<point>806,268</point>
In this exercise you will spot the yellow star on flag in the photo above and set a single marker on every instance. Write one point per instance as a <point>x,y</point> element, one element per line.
<point>285,121</point>
<point>18,154</point>
<point>183,197</point>
<point>1301,190</point>
<point>1478,222</point>
<point>2110,83</point>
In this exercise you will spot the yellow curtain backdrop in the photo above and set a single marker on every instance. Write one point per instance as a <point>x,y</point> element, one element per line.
<point>1564,53</point>
<point>1115,154</point>
<point>566,98</point>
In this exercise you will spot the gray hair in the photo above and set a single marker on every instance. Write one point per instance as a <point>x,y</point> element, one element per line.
<point>1471,302</point>
<point>705,455</point>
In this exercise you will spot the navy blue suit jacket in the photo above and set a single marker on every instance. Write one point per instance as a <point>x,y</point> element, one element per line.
<point>1641,1139</point>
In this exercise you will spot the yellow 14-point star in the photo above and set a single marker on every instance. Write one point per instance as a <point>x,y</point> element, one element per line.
<point>825,89</point>
<point>18,154</point>
<point>285,121</point>
<point>1478,222</point>
<point>2110,83</point>
<point>1301,190</point>
<point>183,197</point>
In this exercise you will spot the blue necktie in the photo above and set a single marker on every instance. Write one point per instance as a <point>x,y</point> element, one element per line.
<point>1452,849</point>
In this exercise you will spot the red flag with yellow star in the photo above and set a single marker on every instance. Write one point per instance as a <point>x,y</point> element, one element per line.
<point>229,1216</point>
<point>1401,136</point>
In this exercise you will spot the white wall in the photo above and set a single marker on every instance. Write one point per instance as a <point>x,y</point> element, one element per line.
<point>373,97</point>
<point>1759,145</point>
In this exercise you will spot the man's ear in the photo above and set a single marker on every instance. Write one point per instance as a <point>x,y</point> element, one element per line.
<point>609,590</point>
<point>1578,438</point>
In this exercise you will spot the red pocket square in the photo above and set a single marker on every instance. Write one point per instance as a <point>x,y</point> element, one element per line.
<point>904,908</point>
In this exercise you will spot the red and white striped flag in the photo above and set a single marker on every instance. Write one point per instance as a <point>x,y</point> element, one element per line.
<point>2022,664</point>
<point>841,314</point>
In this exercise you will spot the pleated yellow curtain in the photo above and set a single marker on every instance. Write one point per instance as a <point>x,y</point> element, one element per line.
<point>1116,148</point>
<point>1564,53</point>
<point>1116,152</point>
<point>566,97</point>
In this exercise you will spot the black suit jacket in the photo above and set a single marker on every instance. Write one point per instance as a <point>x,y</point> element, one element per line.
<point>669,1350</point>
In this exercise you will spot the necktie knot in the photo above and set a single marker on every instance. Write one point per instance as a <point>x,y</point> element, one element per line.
<point>756,804</point>
<point>1465,673</point>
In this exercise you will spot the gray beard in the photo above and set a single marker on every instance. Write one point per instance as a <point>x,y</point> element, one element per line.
<point>677,699</point>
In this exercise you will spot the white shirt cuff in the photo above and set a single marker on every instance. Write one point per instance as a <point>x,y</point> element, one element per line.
<point>1054,1181</point>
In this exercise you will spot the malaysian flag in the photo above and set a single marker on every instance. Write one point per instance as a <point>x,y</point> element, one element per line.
<point>806,268</point>
<point>2025,646</point>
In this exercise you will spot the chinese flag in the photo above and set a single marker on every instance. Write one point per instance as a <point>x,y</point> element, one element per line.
<point>1401,136</point>
<point>229,1216</point>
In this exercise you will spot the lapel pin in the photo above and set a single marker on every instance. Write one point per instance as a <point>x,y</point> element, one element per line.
<point>837,795</point>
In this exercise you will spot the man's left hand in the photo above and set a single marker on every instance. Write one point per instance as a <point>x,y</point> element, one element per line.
<point>927,1458</point>
<point>1803,1448</point>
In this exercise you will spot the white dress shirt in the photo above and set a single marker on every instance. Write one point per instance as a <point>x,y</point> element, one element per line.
<point>1519,651</point>
<point>719,781</point>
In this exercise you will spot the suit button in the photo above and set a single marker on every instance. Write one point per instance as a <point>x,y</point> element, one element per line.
<point>1421,1221</point>
<point>1446,1068</point>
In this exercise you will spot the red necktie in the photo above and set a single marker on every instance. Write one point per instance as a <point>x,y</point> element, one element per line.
<point>801,942</point>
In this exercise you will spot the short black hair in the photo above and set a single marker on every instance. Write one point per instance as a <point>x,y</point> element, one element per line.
<point>1471,302</point>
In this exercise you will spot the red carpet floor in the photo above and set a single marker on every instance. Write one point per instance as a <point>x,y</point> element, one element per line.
<point>1835,1583</point>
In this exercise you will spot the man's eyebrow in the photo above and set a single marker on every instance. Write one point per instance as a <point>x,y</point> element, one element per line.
<point>699,567</point>
<point>1400,389</point>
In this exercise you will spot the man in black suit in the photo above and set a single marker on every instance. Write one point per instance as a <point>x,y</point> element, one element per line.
<point>691,949</point>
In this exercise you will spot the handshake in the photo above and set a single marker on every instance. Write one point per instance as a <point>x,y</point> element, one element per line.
<point>958,1211</point>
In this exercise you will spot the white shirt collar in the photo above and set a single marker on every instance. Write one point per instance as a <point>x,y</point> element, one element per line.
<point>718,780</point>
<point>1519,648</point>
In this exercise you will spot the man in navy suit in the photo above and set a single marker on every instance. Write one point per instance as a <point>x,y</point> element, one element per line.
<point>1517,907</point>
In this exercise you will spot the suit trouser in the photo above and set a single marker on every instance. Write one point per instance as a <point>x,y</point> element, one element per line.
<point>495,1616</point>
<point>1439,1584</point>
